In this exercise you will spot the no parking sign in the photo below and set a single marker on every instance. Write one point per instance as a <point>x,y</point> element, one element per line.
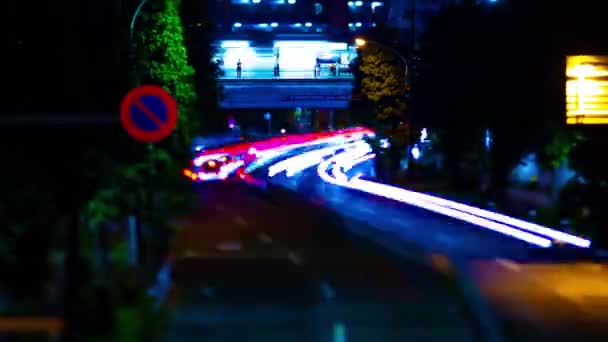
<point>148,113</point>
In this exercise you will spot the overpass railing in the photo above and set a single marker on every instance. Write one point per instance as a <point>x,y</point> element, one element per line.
<point>287,74</point>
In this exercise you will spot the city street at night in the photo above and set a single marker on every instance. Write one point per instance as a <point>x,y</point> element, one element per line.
<point>348,285</point>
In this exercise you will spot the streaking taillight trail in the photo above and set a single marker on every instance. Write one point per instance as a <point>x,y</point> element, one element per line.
<point>255,154</point>
<point>356,153</point>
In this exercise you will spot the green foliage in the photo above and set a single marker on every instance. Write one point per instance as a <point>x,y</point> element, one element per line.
<point>560,147</point>
<point>200,34</point>
<point>383,81</point>
<point>167,65</point>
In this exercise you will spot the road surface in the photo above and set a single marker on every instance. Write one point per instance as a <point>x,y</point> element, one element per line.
<point>363,294</point>
<point>540,297</point>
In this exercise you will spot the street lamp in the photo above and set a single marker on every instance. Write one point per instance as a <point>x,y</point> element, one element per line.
<point>360,42</point>
<point>135,14</point>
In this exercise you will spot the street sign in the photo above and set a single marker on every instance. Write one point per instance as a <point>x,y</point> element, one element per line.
<point>148,113</point>
<point>267,116</point>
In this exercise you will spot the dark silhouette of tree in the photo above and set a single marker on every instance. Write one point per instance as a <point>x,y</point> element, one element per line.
<point>199,30</point>
<point>487,68</point>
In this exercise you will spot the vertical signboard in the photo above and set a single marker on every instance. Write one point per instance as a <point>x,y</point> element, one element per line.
<point>586,90</point>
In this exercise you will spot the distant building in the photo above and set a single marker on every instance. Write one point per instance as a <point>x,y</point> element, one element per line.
<point>330,18</point>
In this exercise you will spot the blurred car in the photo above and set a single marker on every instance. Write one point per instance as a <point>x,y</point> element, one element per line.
<point>212,167</point>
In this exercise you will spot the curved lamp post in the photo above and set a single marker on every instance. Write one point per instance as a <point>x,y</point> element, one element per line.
<point>135,14</point>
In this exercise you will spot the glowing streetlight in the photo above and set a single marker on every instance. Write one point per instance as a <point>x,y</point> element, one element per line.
<point>360,42</point>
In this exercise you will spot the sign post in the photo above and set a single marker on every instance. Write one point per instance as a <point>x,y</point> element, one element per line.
<point>149,114</point>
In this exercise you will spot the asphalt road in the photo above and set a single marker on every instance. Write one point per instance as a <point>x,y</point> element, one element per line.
<point>534,294</point>
<point>298,277</point>
<point>392,220</point>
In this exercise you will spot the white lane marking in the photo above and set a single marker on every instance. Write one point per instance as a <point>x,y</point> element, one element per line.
<point>265,238</point>
<point>293,257</point>
<point>240,221</point>
<point>220,207</point>
<point>327,291</point>
<point>339,332</point>
<point>508,264</point>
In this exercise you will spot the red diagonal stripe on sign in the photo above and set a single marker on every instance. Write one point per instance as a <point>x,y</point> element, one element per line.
<point>137,102</point>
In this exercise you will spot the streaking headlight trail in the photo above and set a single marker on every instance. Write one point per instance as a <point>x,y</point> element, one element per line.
<point>500,218</point>
<point>306,160</point>
<point>390,193</point>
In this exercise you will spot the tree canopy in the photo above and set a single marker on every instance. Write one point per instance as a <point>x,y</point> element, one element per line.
<point>490,68</point>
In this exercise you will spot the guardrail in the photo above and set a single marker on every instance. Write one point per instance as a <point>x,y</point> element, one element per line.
<point>294,75</point>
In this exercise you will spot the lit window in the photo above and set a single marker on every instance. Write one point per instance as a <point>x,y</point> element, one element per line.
<point>256,1</point>
<point>351,4</point>
<point>308,24</point>
<point>297,24</point>
<point>376,4</point>
<point>237,25</point>
<point>274,24</point>
<point>358,24</point>
<point>350,24</point>
<point>291,1</point>
<point>263,25</point>
<point>357,3</point>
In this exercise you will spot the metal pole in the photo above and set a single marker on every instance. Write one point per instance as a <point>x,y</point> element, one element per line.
<point>135,14</point>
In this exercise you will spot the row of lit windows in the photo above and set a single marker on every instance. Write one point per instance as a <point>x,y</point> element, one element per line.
<point>373,4</point>
<point>265,25</point>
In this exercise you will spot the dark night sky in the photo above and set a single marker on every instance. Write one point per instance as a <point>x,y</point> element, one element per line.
<point>64,56</point>
<point>69,56</point>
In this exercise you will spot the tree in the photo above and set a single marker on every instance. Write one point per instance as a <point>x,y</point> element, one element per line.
<point>165,62</point>
<point>199,30</point>
<point>383,83</point>
<point>488,68</point>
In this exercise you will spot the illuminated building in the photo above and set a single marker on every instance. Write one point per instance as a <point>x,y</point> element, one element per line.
<point>587,89</point>
<point>332,18</point>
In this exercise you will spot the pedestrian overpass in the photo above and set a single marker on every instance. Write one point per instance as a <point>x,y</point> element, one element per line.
<point>286,74</point>
<point>309,92</point>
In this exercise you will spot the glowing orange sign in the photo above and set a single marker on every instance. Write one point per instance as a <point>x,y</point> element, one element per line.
<point>587,90</point>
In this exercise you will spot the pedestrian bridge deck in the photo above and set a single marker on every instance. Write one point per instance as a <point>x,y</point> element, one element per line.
<point>286,93</point>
